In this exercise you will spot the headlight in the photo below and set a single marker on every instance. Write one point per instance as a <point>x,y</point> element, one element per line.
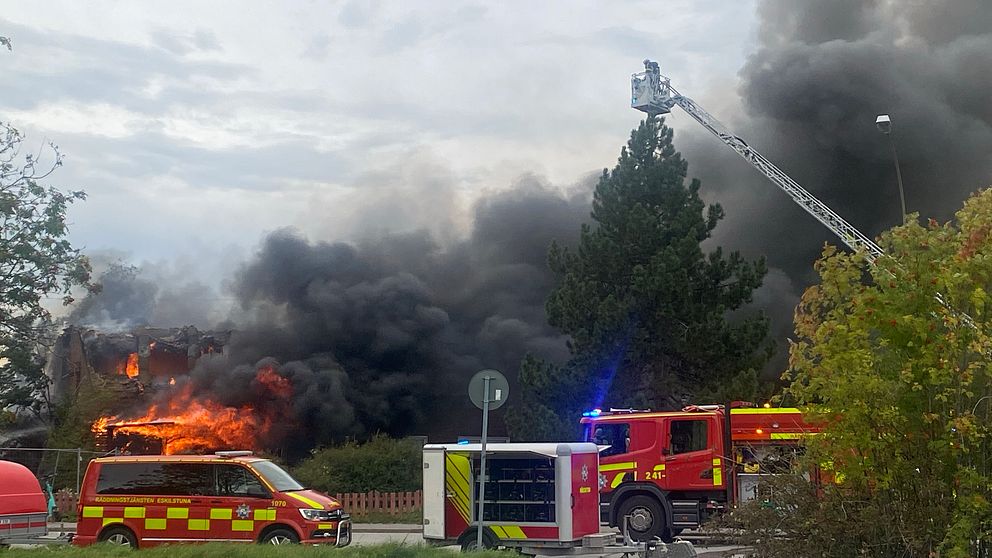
<point>321,515</point>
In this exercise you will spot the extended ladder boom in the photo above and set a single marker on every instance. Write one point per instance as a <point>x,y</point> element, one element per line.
<point>654,94</point>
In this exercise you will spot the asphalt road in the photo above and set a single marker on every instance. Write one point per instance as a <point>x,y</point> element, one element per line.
<point>379,533</point>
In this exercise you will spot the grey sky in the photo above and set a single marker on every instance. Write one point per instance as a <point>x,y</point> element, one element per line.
<point>196,127</point>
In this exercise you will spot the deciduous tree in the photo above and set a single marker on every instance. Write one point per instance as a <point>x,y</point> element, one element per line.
<point>37,261</point>
<point>894,359</point>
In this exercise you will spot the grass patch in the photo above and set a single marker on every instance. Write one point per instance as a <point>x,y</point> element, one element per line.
<point>217,550</point>
<point>414,518</point>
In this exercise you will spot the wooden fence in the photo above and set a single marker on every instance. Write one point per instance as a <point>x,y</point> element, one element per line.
<point>65,502</point>
<point>389,503</point>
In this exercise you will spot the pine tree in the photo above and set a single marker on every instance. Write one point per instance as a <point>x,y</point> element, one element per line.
<point>645,307</point>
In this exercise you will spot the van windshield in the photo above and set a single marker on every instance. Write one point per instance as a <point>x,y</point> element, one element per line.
<point>276,476</point>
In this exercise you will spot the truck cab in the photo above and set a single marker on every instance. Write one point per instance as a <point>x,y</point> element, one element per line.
<point>669,471</point>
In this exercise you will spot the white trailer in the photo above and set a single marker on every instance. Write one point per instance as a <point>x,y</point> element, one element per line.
<point>540,498</point>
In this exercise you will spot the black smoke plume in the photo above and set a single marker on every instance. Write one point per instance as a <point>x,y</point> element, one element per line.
<point>383,335</point>
<point>809,97</point>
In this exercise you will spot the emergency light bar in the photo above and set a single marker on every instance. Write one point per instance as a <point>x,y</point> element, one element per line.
<point>599,412</point>
<point>239,453</point>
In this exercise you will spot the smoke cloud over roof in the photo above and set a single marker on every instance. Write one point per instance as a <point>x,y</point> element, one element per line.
<point>401,322</point>
<point>383,333</point>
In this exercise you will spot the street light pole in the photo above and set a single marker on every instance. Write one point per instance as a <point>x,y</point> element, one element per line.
<point>884,125</point>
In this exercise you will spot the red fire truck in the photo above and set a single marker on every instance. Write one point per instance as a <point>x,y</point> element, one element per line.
<point>669,471</point>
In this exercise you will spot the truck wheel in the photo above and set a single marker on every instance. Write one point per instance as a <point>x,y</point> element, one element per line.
<point>280,536</point>
<point>119,536</point>
<point>647,518</point>
<point>469,540</point>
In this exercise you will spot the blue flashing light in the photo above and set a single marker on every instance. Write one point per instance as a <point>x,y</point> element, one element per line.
<point>593,413</point>
<point>463,442</point>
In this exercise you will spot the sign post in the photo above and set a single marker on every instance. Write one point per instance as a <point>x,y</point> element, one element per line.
<point>487,390</point>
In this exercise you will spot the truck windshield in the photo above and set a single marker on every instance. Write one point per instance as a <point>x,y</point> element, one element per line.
<point>276,476</point>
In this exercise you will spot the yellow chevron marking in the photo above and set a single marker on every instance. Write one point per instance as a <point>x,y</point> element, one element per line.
<point>617,480</point>
<point>627,465</point>
<point>456,480</point>
<point>508,532</point>
<point>109,520</point>
<point>785,436</point>
<point>514,532</point>
<point>659,467</point>
<point>305,500</point>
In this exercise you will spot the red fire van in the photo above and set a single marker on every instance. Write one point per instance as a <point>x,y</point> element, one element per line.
<point>142,501</point>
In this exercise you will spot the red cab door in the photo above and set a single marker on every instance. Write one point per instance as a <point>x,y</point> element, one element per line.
<point>690,456</point>
<point>233,510</point>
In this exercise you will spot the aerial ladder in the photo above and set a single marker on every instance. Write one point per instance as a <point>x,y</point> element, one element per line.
<point>653,93</point>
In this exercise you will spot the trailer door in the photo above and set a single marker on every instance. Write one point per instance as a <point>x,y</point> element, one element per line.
<point>434,494</point>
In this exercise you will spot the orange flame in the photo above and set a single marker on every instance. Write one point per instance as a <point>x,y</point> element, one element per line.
<point>273,383</point>
<point>188,424</point>
<point>129,368</point>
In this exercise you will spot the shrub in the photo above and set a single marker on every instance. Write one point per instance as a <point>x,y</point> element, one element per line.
<point>383,463</point>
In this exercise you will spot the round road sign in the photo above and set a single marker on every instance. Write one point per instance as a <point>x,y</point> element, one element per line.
<point>499,388</point>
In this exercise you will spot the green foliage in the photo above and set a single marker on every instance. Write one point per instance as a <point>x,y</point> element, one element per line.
<point>383,463</point>
<point>646,308</point>
<point>36,260</point>
<point>72,427</point>
<point>219,550</point>
<point>894,359</point>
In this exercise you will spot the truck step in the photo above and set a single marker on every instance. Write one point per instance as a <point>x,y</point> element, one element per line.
<point>685,514</point>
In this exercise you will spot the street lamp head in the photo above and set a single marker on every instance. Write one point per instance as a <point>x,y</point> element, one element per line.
<point>884,124</point>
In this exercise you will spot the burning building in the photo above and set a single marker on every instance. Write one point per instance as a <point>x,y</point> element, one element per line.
<point>157,412</point>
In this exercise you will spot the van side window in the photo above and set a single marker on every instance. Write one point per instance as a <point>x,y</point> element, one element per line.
<point>170,479</point>
<point>233,480</point>
<point>687,435</point>
<point>615,435</point>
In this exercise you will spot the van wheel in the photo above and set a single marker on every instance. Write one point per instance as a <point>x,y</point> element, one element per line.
<point>647,518</point>
<point>119,536</point>
<point>280,536</point>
